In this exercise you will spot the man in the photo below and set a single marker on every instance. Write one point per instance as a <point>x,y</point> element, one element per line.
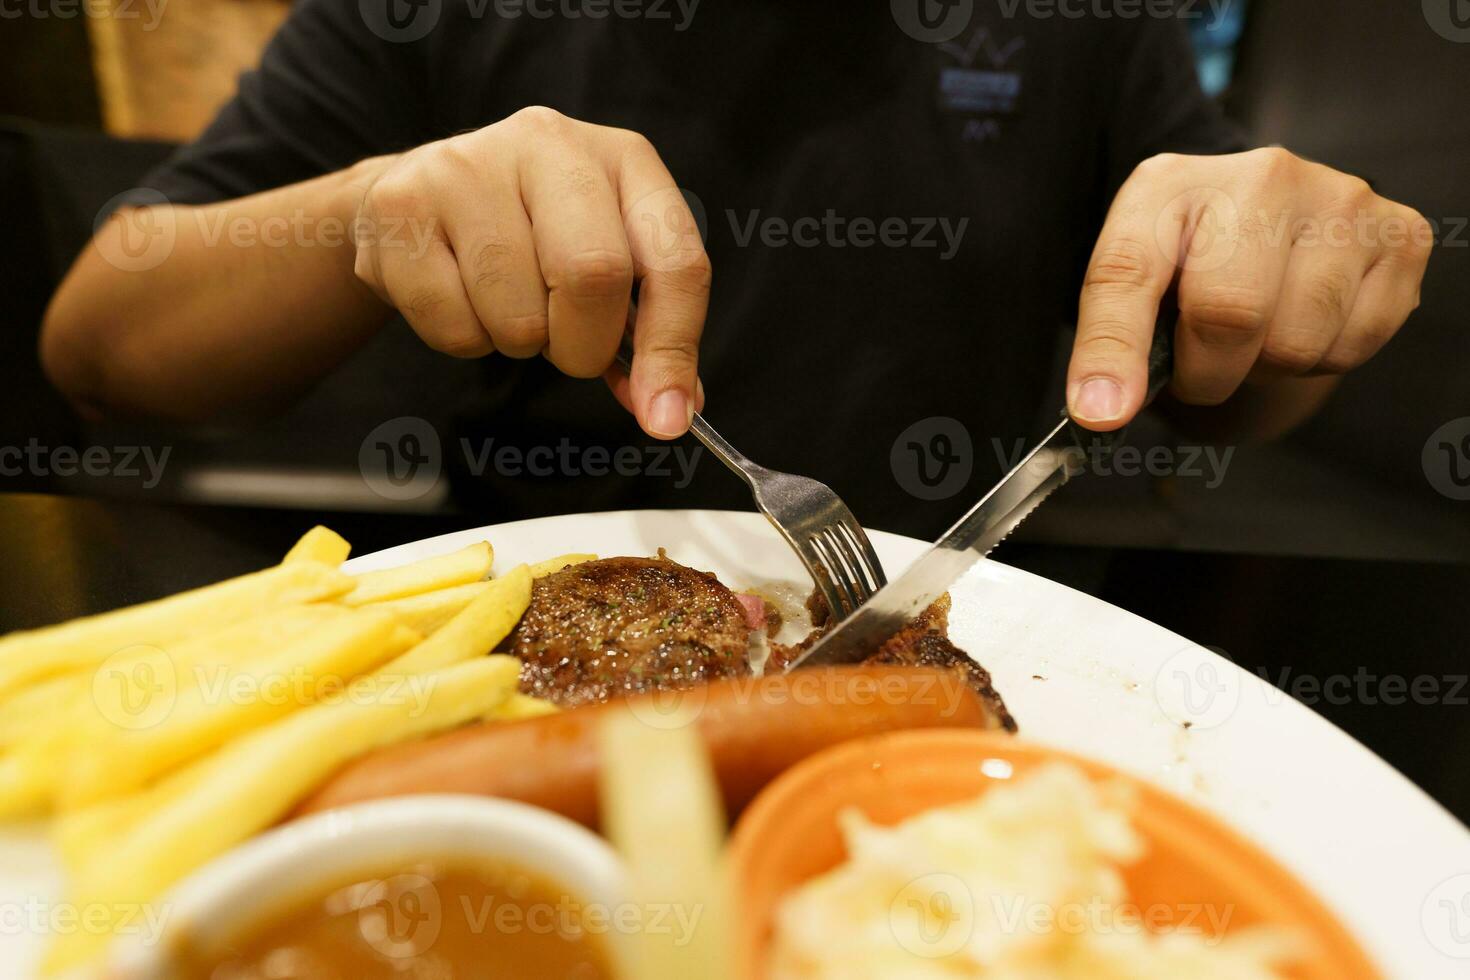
<point>900,208</point>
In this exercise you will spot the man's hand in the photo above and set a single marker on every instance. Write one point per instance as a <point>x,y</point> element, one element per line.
<point>540,227</point>
<point>1283,268</point>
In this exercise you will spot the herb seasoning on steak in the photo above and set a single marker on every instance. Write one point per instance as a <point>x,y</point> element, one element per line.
<point>626,625</point>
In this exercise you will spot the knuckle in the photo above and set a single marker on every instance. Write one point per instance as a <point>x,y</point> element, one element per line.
<point>1159,164</point>
<point>396,193</point>
<point>598,273</point>
<point>634,141</point>
<point>1339,360</point>
<point>1419,239</point>
<point>1376,331</point>
<point>1358,190</point>
<point>1106,340</point>
<point>680,351</point>
<point>673,360</point>
<point>693,275</point>
<point>1292,353</point>
<point>491,263</point>
<point>540,118</point>
<point>520,336</point>
<point>365,268</point>
<point>1273,162</point>
<point>1121,262</point>
<point>1225,316</point>
<point>421,301</point>
<point>1328,294</point>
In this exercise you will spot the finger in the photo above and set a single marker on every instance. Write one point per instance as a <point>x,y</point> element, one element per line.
<point>1322,286</point>
<point>1131,268</point>
<point>428,292</point>
<point>673,294</point>
<point>1238,267</point>
<point>577,228</point>
<point>1389,293</point>
<point>498,264</point>
<point>622,388</point>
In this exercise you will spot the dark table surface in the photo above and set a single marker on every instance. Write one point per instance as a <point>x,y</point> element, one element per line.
<point>1379,648</point>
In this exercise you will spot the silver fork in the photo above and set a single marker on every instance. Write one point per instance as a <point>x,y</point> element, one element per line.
<point>815,522</point>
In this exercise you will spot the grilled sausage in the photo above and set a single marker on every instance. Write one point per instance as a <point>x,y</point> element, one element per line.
<point>755,727</point>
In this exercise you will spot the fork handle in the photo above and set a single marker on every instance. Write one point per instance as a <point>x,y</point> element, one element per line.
<point>702,430</point>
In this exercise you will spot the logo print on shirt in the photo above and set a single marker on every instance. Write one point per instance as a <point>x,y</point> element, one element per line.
<point>986,89</point>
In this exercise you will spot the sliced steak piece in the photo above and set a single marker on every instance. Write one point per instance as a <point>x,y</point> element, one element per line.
<point>622,625</point>
<point>922,643</point>
<point>925,643</point>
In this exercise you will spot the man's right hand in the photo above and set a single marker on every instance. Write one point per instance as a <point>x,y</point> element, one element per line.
<point>540,225</point>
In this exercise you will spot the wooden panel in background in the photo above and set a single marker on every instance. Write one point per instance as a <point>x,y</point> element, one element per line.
<point>164,67</point>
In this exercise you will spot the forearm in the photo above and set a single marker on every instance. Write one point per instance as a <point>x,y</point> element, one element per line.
<point>1255,413</point>
<point>253,302</point>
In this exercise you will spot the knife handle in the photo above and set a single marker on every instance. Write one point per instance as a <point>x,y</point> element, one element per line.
<point>1160,373</point>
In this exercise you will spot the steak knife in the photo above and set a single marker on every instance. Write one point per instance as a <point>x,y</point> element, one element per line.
<point>1059,457</point>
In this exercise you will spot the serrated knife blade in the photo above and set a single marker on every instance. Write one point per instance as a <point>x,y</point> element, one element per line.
<point>1051,464</point>
<point>1056,460</point>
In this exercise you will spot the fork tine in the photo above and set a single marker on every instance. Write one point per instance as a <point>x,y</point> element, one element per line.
<point>822,578</point>
<point>848,563</point>
<point>837,575</point>
<point>864,548</point>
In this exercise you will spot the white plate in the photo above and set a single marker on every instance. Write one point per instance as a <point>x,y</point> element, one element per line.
<point>1392,863</point>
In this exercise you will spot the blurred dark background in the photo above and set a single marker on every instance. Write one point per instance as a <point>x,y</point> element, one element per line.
<point>88,103</point>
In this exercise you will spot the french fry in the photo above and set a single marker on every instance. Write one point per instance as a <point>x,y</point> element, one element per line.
<point>319,544</point>
<point>661,809</point>
<point>519,706</point>
<point>468,564</point>
<point>136,687</point>
<point>34,655</point>
<point>204,715</point>
<point>80,835</point>
<point>254,781</point>
<point>125,676</point>
<point>428,611</point>
<point>25,782</point>
<point>474,632</point>
<point>33,708</point>
<point>543,568</point>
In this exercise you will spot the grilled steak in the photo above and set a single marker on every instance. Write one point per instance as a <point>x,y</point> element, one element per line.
<point>922,643</point>
<point>925,643</point>
<point>624,625</point>
<point>628,625</point>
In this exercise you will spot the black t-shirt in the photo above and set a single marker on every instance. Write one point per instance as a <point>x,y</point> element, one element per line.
<point>897,226</point>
